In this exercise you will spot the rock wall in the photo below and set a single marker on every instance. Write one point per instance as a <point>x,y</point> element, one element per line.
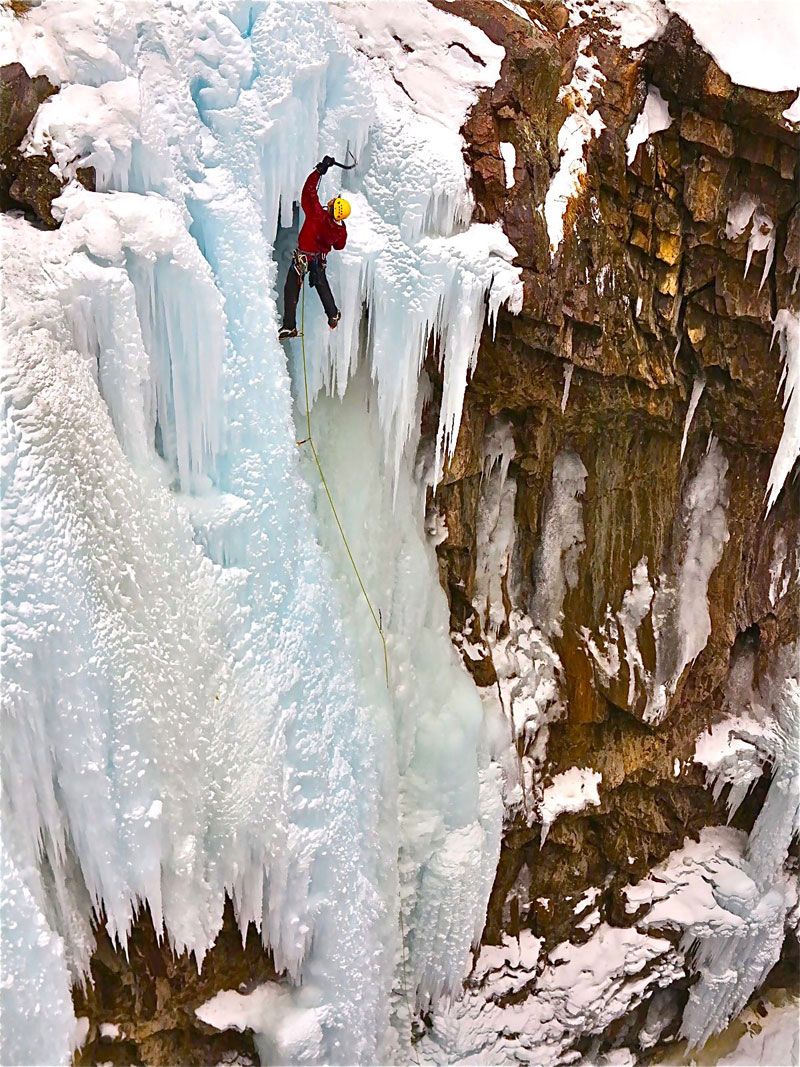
<point>646,297</point>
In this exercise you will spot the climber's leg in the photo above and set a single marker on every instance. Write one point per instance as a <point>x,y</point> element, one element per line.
<point>322,286</point>
<point>291,294</point>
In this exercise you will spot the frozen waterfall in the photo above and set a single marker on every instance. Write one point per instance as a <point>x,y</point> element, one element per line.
<point>195,704</point>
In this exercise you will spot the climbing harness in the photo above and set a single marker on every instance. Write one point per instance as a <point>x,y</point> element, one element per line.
<point>301,265</point>
<point>309,440</point>
<point>300,262</point>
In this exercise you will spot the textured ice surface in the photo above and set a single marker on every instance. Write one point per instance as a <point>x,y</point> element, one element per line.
<point>35,983</point>
<point>495,532</point>
<point>181,623</point>
<point>555,567</point>
<point>681,620</point>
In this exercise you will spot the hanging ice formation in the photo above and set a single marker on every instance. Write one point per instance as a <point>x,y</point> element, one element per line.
<point>730,894</point>
<point>194,701</point>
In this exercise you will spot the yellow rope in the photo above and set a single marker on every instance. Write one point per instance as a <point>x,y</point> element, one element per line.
<point>375,618</point>
<point>310,441</point>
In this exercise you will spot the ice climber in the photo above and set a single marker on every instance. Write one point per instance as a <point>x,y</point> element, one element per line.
<point>322,230</point>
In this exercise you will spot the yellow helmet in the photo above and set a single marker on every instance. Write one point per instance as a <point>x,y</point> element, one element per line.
<point>339,208</point>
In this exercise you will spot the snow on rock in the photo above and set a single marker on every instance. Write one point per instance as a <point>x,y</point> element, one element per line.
<point>787,331</point>
<point>731,895</point>
<point>635,21</point>
<point>570,791</point>
<point>509,154</point>
<point>733,756</point>
<point>518,9</point>
<point>732,926</point>
<point>288,1031</point>
<point>792,113</point>
<point>577,991</point>
<point>581,124</point>
<point>653,118</point>
<point>67,124</point>
<point>755,44</point>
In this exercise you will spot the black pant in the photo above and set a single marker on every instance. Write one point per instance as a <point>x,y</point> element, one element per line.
<point>318,280</point>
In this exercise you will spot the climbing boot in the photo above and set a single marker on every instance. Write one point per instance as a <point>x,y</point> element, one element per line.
<point>333,321</point>
<point>285,333</point>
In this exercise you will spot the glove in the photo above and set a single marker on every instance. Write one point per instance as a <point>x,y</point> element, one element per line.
<point>324,166</point>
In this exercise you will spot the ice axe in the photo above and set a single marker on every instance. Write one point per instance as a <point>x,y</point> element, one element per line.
<point>347,166</point>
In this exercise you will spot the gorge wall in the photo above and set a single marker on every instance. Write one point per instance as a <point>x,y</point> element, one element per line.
<point>618,587</point>
<point>656,295</point>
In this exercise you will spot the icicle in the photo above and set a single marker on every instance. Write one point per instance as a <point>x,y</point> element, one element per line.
<point>787,329</point>
<point>762,239</point>
<point>698,385</point>
<point>568,371</point>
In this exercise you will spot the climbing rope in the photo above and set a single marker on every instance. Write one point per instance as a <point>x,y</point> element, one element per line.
<point>376,618</point>
<point>309,440</point>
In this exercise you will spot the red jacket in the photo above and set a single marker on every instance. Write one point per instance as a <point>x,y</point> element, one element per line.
<point>319,233</point>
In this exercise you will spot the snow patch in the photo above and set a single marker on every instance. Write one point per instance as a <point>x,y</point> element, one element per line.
<point>569,792</point>
<point>653,118</point>
<point>755,44</point>
<point>580,126</point>
<point>509,154</point>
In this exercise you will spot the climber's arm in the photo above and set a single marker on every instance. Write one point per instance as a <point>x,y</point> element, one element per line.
<point>309,198</point>
<point>338,236</point>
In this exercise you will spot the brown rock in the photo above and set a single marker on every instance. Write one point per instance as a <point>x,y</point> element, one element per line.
<point>707,131</point>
